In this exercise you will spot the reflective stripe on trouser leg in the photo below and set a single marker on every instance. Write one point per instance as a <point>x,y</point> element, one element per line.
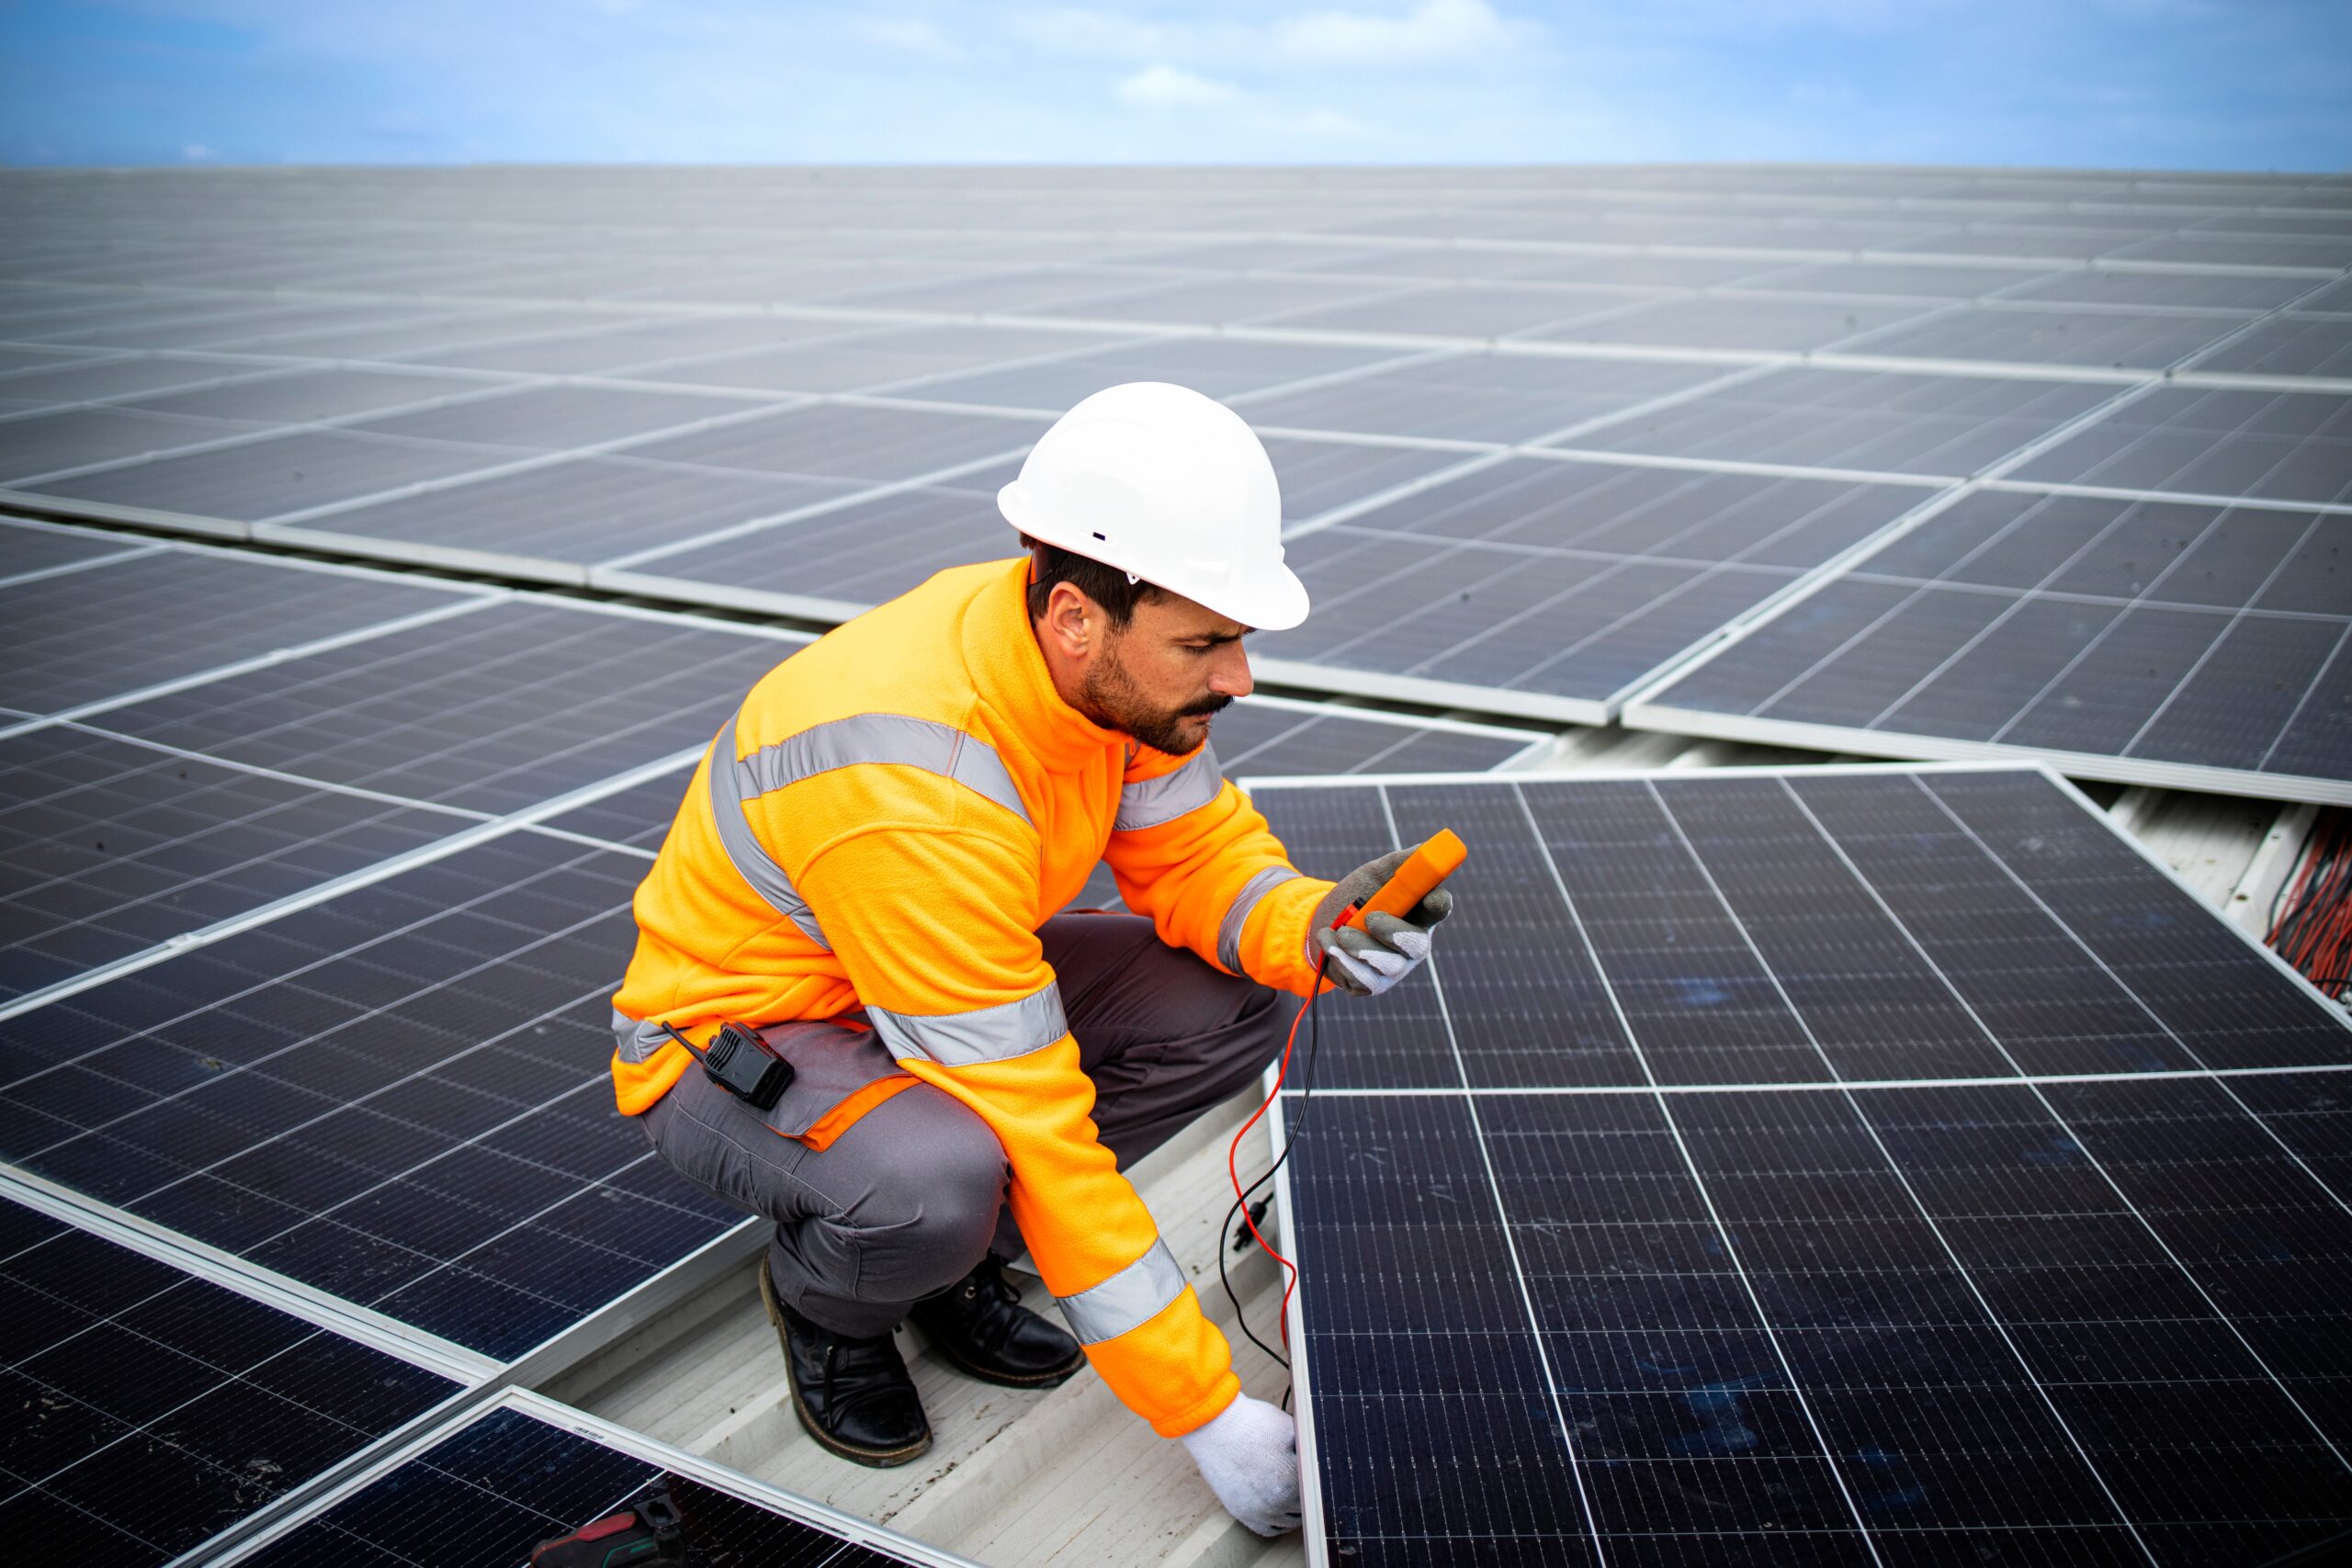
<point>1127,1300</point>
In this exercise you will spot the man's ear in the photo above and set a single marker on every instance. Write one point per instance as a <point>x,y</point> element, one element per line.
<point>1074,622</point>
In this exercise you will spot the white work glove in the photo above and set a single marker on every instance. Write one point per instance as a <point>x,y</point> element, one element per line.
<point>1366,963</point>
<point>1248,1456</point>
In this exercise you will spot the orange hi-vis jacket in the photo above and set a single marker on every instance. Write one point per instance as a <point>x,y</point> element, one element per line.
<point>885,824</point>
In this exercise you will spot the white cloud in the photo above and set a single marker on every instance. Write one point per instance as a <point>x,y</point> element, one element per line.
<point>1164,86</point>
<point>1433,30</point>
<point>197,153</point>
<point>910,35</point>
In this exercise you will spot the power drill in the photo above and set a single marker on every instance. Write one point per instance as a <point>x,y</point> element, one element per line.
<point>651,1531</point>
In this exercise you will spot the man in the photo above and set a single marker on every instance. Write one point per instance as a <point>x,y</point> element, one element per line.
<point>866,869</point>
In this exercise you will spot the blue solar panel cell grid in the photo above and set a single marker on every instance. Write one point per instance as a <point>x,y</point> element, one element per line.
<point>120,625</point>
<point>2173,636</point>
<point>108,849</point>
<point>400,1099</point>
<point>1835,1168</point>
<point>154,1409</point>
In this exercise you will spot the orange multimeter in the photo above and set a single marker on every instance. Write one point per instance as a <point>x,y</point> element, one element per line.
<point>1435,861</point>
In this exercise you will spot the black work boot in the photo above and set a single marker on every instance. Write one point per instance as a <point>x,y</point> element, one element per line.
<point>853,1396</point>
<point>981,1327</point>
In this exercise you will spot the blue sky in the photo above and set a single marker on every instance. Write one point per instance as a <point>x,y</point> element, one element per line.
<point>2163,83</point>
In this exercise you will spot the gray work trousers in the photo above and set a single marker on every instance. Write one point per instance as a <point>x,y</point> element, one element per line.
<point>910,1198</point>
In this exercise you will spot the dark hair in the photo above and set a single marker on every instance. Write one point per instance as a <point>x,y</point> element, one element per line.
<point>1106,585</point>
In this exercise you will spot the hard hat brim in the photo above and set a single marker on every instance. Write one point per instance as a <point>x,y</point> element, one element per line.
<point>1270,599</point>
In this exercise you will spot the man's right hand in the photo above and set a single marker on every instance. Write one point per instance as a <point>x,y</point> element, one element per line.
<point>1248,1456</point>
<point>1365,961</point>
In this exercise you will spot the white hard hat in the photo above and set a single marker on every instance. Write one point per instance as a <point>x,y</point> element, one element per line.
<point>1168,486</point>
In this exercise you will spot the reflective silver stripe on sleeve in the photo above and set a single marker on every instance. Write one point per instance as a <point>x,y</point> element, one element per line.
<point>936,748</point>
<point>984,1034</point>
<point>629,1037</point>
<point>750,858</point>
<point>1236,914</point>
<point>637,1041</point>
<point>1147,803</point>
<point>1127,1300</point>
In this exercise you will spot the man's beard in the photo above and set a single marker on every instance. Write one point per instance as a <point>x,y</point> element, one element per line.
<point>1112,702</point>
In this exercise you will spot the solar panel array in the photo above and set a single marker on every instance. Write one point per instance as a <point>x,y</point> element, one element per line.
<point>1858,1166</point>
<point>1865,1162</point>
<point>1546,436</point>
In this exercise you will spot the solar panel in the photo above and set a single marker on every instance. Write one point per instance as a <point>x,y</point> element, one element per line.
<point>250,480</point>
<point>33,381</point>
<point>1897,280</point>
<point>1221,302</point>
<point>1551,588</point>
<point>301,396</point>
<point>2267,445</point>
<point>556,418</point>
<point>552,520</point>
<point>1852,1166</point>
<point>604,343</point>
<point>55,443</point>
<point>2215,291</point>
<point>1478,397</point>
<point>484,1489</point>
<point>399,1099</point>
<point>1222,367</point>
<point>122,625</point>
<point>2116,339</point>
<point>844,441</point>
<point>31,549</point>
<point>1477,312</point>
<point>2195,645</point>
<point>154,1409</point>
<point>494,712</point>
<point>108,849</point>
<point>903,357</point>
<point>1840,419</point>
<point>1736,322</point>
<point>221,799</point>
<point>2289,346</point>
<point>1647,270</point>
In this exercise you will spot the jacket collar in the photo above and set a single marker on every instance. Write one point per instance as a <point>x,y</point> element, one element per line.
<point>1009,673</point>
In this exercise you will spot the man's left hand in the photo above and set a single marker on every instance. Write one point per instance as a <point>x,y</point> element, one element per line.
<point>1366,961</point>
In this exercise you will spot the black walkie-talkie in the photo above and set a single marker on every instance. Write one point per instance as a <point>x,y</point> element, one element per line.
<point>740,1062</point>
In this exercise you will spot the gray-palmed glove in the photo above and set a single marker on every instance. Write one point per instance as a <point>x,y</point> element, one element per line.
<point>1366,963</point>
